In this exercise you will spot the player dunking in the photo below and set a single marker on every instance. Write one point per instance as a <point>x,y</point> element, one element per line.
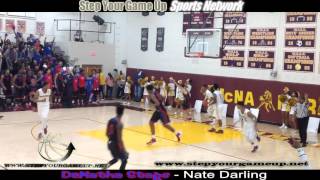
<point>43,98</point>
<point>115,143</point>
<point>160,113</point>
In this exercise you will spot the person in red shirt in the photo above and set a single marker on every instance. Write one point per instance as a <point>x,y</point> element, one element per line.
<point>48,78</point>
<point>96,84</point>
<point>75,88</point>
<point>58,67</point>
<point>82,88</point>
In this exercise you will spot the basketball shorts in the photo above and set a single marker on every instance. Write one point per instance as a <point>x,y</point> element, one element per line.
<point>115,151</point>
<point>160,115</point>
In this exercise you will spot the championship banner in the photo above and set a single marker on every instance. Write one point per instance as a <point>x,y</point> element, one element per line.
<point>261,59</point>
<point>234,18</point>
<point>21,26</point>
<point>9,25</point>
<point>144,39</point>
<point>301,17</point>
<point>0,24</point>
<point>197,20</point>
<point>298,61</point>
<point>263,37</point>
<point>300,37</point>
<point>160,39</point>
<point>234,37</point>
<point>232,58</point>
<point>40,28</point>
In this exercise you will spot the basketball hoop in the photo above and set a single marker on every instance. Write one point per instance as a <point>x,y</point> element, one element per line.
<point>200,54</point>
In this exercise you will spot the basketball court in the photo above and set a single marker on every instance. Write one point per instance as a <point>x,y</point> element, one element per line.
<point>85,128</point>
<point>253,58</point>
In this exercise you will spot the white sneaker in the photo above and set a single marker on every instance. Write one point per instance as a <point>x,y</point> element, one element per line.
<point>286,127</point>
<point>282,126</point>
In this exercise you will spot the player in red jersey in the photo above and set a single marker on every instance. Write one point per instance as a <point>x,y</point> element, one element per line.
<point>160,113</point>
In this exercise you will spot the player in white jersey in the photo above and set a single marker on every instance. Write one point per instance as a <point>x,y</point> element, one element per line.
<point>249,126</point>
<point>180,91</point>
<point>218,102</point>
<point>43,98</point>
<point>208,101</point>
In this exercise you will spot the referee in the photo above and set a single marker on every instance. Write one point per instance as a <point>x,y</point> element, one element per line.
<point>302,114</point>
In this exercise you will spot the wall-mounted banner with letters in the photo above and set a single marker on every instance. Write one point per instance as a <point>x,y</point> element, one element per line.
<point>298,61</point>
<point>301,17</point>
<point>261,59</point>
<point>300,37</point>
<point>234,37</point>
<point>232,58</point>
<point>263,37</point>
<point>234,18</point>
<point>160,39</point>
<point>144,39</point>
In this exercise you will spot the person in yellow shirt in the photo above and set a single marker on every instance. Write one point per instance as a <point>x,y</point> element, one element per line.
<point>102,84</point>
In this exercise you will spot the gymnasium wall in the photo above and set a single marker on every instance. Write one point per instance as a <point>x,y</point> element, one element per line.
<point>172,58</point>
<point>251,85</point>
<point>91,53</point>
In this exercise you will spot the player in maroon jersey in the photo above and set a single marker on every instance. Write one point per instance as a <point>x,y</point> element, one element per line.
<point>160,113</point>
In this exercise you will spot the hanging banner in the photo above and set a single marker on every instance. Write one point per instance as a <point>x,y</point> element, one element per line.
<point>300,37</point>
<point>40,28</point>
<point>160,39</point>
<point>21,26</point>
<point>301,17</point>
<point>144,39</point>
<point>197,20</point>
<point>263,37</point>
<point>299,61</point>
<point>9,25</point>
<point>261,59</point>
<point>232,58</point>
<point>1,24</point>
<point>234,37</point>
<point>234,18</point>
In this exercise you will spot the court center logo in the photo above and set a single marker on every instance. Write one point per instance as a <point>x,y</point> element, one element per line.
<point>53,149</point>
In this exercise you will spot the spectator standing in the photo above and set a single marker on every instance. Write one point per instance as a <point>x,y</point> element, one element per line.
<point>116,78</point>
<point>110,84</point>
<point>102,85</point>
<point>137,86</point>
<point>67,93</point>
<point>121,83</point>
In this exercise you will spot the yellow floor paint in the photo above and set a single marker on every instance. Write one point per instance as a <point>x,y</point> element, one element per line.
<point>135,137</point>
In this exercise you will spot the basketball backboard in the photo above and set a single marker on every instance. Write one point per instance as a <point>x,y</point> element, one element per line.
<point>203,43</point>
